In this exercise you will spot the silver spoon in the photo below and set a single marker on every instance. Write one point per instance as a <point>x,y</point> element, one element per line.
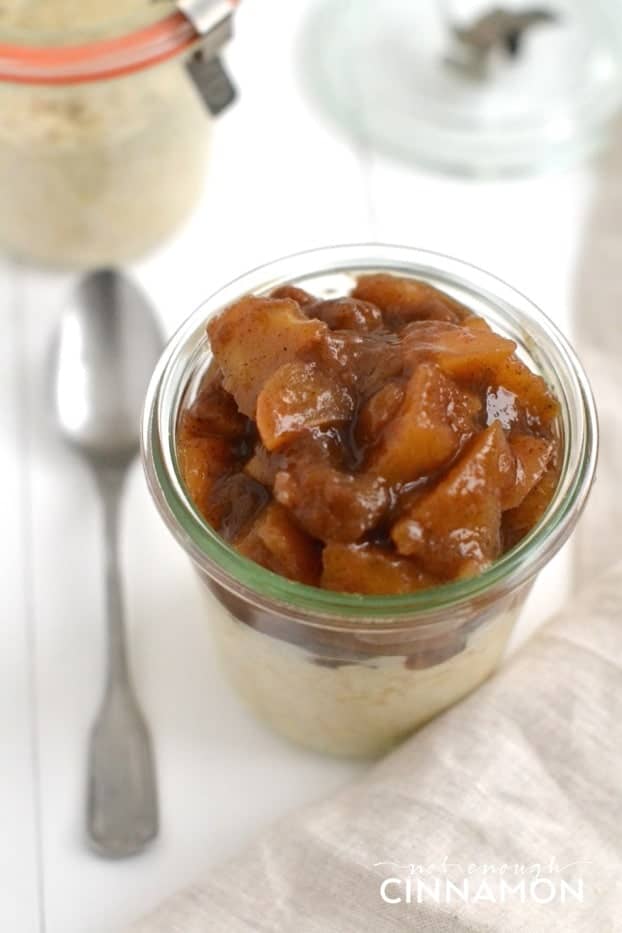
<point>107,346</point>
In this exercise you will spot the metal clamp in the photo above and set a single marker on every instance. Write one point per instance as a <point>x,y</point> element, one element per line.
<point>213,21</point>
<point>497,32</point>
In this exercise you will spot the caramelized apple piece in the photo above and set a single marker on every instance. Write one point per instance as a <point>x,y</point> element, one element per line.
<point>298,397</point>
<point>347,314</point>
<point>263,465</point>
<point>434,419</point>
<point>531,389</point>
<point>299,295</point>
<point>365,362</point>
<point>277,543</point>
<point>476,323</point>
<point>406,299</point>
<point>532,455</point>
<point>455,528</point>
<point>329,504</point>
<point>474,354</point>
<point>233,502</point>
<point>377,411</point>
<point>252,338</point>
<point>317,446</point>
<point>462,353</point>
<point>214,411</point>
<point>369,569</point>
<point>519,521</point>
<point>202,461</point>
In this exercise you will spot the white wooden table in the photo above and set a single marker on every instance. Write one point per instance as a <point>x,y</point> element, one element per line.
<point>279,181</point>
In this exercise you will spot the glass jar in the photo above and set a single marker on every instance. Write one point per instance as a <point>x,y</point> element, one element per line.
<point>103,144</point>
<point>467,87</point>
<point>348,674</point>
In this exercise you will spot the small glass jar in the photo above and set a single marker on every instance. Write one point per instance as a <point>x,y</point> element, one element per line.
<point>341,673</point>
<point>103,141</point>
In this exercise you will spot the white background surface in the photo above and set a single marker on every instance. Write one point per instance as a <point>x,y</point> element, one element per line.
<point>278,181</point>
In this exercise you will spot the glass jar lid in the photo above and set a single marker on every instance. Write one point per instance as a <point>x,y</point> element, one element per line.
<point>479,88</point>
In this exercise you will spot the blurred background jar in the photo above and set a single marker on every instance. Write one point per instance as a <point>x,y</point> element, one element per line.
<point>103,132</point>
<point>479,88</point>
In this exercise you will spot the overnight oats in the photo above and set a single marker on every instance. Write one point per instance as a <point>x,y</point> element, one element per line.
<point>104,136</point>
<point>368,453</point>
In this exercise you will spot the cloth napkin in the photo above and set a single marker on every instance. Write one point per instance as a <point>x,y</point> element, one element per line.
<point>521,782</point>
<point>526,773</point>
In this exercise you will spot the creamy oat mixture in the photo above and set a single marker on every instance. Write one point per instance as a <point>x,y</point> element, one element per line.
<point>98,172</point>
<point>360,709</point>
<point>64,21</point>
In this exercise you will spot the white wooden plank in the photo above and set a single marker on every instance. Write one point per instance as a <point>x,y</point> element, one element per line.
<point>217,766</point>
<point>278,181</point>
<point>20,904</point>
<point>525,230</point>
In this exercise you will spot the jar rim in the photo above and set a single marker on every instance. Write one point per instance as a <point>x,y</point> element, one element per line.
<point>326,608</point>
<point>166,38</point>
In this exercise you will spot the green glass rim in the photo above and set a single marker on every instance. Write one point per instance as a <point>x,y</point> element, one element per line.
<point>328,608</point>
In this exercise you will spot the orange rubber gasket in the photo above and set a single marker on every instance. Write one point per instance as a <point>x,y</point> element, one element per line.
<point>95,61</point>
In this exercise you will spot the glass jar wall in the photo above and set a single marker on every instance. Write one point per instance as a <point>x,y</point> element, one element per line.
<point>343,673</point>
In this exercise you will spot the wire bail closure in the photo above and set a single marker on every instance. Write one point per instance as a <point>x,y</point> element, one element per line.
<point>213,21</point>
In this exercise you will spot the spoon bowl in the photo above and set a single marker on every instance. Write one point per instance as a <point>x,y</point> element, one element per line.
<point>108,345</point>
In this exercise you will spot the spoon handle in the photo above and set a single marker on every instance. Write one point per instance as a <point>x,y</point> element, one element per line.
<point>122,801</point>
<point>110,483</point>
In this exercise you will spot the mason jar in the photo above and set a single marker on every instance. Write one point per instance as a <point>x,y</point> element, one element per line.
<point>103,134</point>
<point>343,673</point>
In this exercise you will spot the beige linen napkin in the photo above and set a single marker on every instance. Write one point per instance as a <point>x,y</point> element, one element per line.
<point>525,773</point>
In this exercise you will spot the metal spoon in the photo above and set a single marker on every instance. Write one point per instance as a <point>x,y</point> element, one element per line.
<point>107,346</point>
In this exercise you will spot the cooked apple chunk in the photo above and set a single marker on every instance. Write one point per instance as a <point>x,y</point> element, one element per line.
<point>466,354</point>
<point>369,569</point>
<point>202,462</point>
<point>275,541</point>
<point>531,389</point>
<point>455,528</point>
<point>432,422</point>
<point>214,411</point>
<point>406,299</point>
<point>332,505</point>
<point>299,295</point>
<point>253,338</point>
<point>297,398</point>
<point>347,314</point>
<point>519,521</point>
<point>377,411</point>
<point>532,455</point>
<point>263,465</point>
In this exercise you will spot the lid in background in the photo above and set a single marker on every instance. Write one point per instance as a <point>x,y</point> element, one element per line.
<point>389,74</point>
